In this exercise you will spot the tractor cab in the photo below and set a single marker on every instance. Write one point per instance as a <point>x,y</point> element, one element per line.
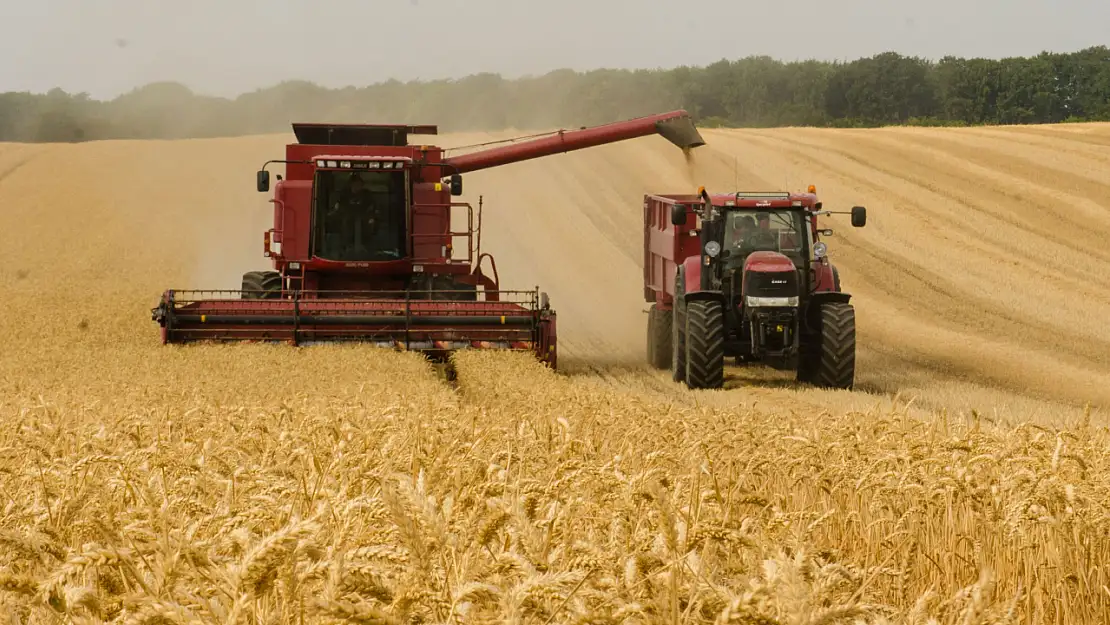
<point>747,230</point>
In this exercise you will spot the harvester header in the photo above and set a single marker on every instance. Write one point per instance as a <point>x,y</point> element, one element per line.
<point>367,245</point>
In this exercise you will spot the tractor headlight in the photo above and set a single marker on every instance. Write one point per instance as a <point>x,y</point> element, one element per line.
<point>819,249</point>
<point>712,249</point>
<point>770,302</point>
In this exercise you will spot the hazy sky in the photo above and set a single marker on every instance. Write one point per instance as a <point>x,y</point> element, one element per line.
<point>225,47</point>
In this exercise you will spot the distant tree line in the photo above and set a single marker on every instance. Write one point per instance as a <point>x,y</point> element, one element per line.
<point>886,89</point>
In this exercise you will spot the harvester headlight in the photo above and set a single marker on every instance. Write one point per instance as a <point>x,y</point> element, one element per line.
<point>345,164</point>
<point>387,165</point>
<point>332,164</point>
<point>321,163</point>
<point>375,164</point>
<point>712,249</point>
<point>819,249</point>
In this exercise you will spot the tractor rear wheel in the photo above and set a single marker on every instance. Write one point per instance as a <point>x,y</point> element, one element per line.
<point>264,284</point>
<point>705,341</point>
<point>830,358</point>
<point>659,337</point>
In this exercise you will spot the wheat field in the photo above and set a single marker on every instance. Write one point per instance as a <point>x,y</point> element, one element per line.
<point>964,481</point>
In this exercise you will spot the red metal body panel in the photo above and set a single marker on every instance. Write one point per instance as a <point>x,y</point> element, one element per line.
<point>691,267</point>
<point>567,140</point>
<point>825,280</point>
<point>768,262</point>
<point>665,245</point>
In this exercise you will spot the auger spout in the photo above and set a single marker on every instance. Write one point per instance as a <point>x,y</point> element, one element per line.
<point>675,126</point>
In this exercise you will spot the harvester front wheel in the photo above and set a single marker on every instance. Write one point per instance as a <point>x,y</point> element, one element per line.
<point>262,285</point>
<point>659,337</point>
<point>830,359</point>
<point>705,341</point>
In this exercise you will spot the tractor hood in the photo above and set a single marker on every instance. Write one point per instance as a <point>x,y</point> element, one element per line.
<point>768,262</point>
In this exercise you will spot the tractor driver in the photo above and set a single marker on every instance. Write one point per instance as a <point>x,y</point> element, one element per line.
<point>741,228</point>
<point>763,237</point>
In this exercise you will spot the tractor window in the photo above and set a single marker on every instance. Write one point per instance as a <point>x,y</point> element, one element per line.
<point>360,216</point>
<point>748,231</point>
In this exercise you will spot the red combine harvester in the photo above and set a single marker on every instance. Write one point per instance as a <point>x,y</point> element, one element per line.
<point>745,275</point>
<point>363,247</point>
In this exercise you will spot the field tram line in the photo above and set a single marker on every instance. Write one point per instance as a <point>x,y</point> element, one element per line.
<point>447,373</point>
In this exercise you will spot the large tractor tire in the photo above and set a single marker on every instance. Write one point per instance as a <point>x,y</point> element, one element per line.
<point>678,332</point>
<point>829,360</point>
<point>265,284</point>
<point>705,344</point>
<point>659,337</point>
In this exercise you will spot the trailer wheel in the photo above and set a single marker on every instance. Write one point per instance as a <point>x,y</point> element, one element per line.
<point>678,332</point>
<point>659,337</point>
<point>830,359</point>
<point>264,284</point>
<point>705,344</point>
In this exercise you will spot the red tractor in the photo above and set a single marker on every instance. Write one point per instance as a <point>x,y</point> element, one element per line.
<point>745,275</point>
<point>364,248</point>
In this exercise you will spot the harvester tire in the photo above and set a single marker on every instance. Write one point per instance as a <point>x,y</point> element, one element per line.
<point>705,344</point>
<point>659,337</point>
<point>268,282</point>
<point>678,332</point>
<point>834,349</point>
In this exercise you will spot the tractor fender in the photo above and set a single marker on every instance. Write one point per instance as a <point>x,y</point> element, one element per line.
<point>826,278</point>
<point>706,294</point>
<point>811,317</point>
<point>824,297</point>
<point>691,272</point>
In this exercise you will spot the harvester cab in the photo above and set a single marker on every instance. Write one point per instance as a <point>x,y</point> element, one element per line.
<point>758,286</point>
<point>369,245</point>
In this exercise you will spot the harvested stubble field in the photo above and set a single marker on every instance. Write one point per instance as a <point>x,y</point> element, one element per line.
<point>963,482</point>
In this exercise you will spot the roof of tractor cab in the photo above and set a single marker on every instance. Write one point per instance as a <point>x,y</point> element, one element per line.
<point>762,199</point>
<point>742,199</point>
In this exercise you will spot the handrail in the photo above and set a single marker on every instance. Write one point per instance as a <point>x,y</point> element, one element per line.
<point>449,233</point>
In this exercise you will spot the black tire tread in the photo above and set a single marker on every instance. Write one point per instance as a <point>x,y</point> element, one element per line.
<point>659,337</point>
<point>705,341</point>
<point>269,282</point>
<point>678,333</point>
<point>836,367</point>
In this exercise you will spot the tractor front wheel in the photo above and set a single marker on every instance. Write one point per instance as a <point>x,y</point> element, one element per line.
<point>705,344</point>
<point>659,337</point>
<point>829,359</point>
<point>262,285</point>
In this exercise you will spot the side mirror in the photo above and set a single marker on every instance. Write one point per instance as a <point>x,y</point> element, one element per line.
<point>827,232</point>
<point>678,215</point>
<point>817,206</point>
<point>456,184</point>
<point>859,216</point>
<point>263,181</point>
